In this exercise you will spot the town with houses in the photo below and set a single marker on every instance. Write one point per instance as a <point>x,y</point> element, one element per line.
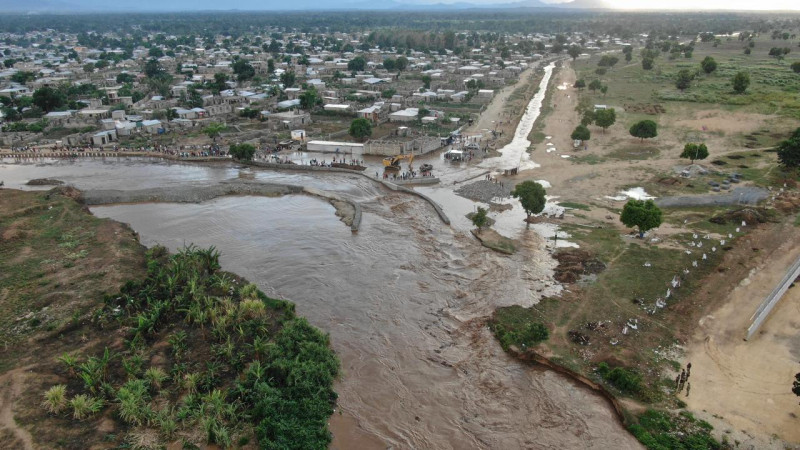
<point>274,89</point>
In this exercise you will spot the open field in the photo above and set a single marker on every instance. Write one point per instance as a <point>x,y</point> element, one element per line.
<point>641,312</point>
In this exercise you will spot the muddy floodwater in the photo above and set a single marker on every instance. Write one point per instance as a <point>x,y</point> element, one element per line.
<point>405,301</point>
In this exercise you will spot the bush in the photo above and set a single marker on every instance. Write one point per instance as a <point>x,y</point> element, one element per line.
<point>84,406</point>
<point>55,399</point>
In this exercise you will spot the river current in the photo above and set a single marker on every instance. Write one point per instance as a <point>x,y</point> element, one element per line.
<point>405,301</point>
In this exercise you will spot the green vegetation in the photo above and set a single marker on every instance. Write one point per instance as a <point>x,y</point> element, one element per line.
<point>644,129</point>
<point>626,380</point>
<point>693,152</point>
<point>581,133</point>
<point>659,430</point>
<point>360,128</point>
<point>242,152</point>
<point>643,214</point>
<point>240,365</point>
<point>480,219</point>
<point>740,82</point>
<point>789,151</point>
<point>517,326</point>
<point>531,195</point>
<point>214,129</point>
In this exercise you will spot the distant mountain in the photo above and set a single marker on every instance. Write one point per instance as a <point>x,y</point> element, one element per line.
<point>82,6</point>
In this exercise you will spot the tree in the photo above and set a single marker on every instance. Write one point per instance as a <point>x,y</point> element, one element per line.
<point>125,78</point>
<point>243,152</point>
<point>604,90</point>
<point>579,84</point>
<point>531,195</point>
<point>642,214</point>
<point>480,219</point>
<point>647,63</point>
<point>574,51</point>
<point>402,63</point>
<point>684,79</point>
<point>152,68</point>
<point>390,64</point>
<point>645,129</point>
<point>270,66</point>
<point>796,66</point>
<point>357,64</point>
<point>426,81</point>
<point>796,385</point>
<point>789,150</point>
<point>604,118</point>
<point>88,67</point>
<point>214,129</point>
<point>608,61</point>
<point>360,128</point>
<point>581,133</point>
<point>740,82</point>
<point>243,70</point>
<point>694,152</point>
<point>388,93</point>
<point>588,117</point>
<point>708,64</point>
<point>288,78</point>
<point>309,99</point>
<point>595,85</point>
<point>48,98</point>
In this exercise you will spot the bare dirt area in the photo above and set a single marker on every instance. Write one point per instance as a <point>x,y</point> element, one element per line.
<point>56,262</point>
<point>748,383</point>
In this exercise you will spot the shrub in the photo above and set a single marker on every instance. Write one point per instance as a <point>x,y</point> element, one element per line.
<point>155,376</point>
<point>84,406</point>
<point>55,399</point>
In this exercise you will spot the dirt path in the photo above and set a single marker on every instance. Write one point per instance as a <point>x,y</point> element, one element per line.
<point>11,385</point>
<point>748,383</point>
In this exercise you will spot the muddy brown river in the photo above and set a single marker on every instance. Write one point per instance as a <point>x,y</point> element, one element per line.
<point>405,301</point>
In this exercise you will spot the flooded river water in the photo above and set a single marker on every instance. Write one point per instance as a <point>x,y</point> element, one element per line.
<point>404,300</point>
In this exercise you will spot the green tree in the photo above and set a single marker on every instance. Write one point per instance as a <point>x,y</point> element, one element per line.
<point>740,82</point>
<point>244,70</point>
<point>645,129</point>
<point>388,93</point>
<point>604,90</point>
<point>360,128</point>
<point>643,214</point>
<point>270,66</point>
<point>48,98</point>
<point>288,78</point>
<point>694,152</point>
<point>604,118</point>
<point>648,63</point>
<point>309,99</point>
<point>243,152</point>
<point>581,133</point>
<point>595,85</point>
<point>214,129</point>
<point>153,69</point>
<point>579,84</point>
<point>708,64</point>
<point>426,81</point>
<point>789,151</point>
<point>357,64</point>
<point>684,79</point>
<point>125,78</point>
<point>402,63</point>
<point>588,117</point>
<point>88,67</point>
<point>796,66</point>
<point>531,195</point>
<point>574,51</point>
<point>796,385</point>
<point>608,61</point>
<point>390,64</point>
<point>480,219</point>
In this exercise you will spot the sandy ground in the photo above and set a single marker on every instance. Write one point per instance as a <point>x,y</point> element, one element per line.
<point>748,383</point>
<point>572,181</point>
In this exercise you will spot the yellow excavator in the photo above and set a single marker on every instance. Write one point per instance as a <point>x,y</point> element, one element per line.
<point>393,162</point>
